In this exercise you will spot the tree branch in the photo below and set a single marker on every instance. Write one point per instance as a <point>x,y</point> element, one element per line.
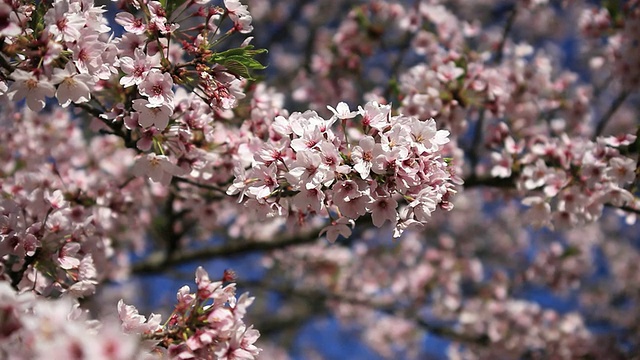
<point>607,115</point>
<point>203,186</point>
<point>624,208</point>
<point>502,183</point>
<point>156,263</point>
<point>476,143</point>
<point>5,64</point>
<point>505,33</point>
<point>316,297</point>
<point>124,135</point>
<point>280,323</point>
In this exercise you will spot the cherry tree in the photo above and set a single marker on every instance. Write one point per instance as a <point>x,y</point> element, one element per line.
<point>409,169</point>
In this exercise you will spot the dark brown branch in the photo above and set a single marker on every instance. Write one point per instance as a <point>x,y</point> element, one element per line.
<point>624,208</point>
<point>503,183</point>
<point>159,263</point>
<point>505,33</point>
<point>279,323</point>
<point>115,130</point>
<point>636,145</point>
<point>5,64</point>
<point>156,263</point>
<point>16,276</point>
<point>404,47</point>
<point>607,115</point>
<point>316,297</point>
<point>202,186</point>
<point>476,144</point>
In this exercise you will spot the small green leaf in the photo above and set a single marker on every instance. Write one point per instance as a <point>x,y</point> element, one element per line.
<point>171,6</point>
<point>237,68</point>
<point>37,18</point>
<point>239,61</point>
<point>570,252</point>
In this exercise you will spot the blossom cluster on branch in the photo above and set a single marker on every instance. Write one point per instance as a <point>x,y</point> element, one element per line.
<point>324,172</point>
<point>35,328</point>
<point>205,325</point>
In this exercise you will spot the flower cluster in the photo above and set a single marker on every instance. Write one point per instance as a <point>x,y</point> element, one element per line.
<point>65,58</point>
<point>509,324</point>
<point>628,60</point>
<point>131,82</point>
<point>568,181</point>
<point>207,324</point>
<point>59,327</point>
<point>62,213</point>
<point>395,172</point>
<point>619,27</point>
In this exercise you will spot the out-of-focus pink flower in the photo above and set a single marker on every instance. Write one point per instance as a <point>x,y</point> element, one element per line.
<point>158,168</point>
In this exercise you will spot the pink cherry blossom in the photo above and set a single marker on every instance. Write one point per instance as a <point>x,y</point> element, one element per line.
<point>342,111</point>
<point>240,15</point>
<point>308,171</point>
<point>340,227</point>
<point>149,115</point>
<point>72,87</point>
<point>157,86</point>
<point>130,23</point>
<point>31,87</point>
<point>158,168</point>
<point>137,68</point>
<point>133,322</point>
<point>476,127</point>
<point>382,209</point>
<point>363,155</point>
<point>87,53</point>
<point>64,21</point>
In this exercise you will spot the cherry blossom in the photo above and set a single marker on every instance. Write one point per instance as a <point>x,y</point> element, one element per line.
<point>130,23</point>
<point>211,322</point>
<point>157,86</point>
<point>31,87</point>
<point>342,111</point>
<point>64,21</point>
<point>158,168</point>
<point>341,227</point>
<point>239,15</point>
<point>363,154</point>
<point>137,68</point>
<point>149,115</point>
<point>73,87</point>
<point>394,162</point>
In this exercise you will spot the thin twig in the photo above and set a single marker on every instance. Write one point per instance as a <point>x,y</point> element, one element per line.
<point>476,143</point>
<point>404,47</point>
<point>202,186</point>
<point>624,208</point>
<point>5,64</point>
<point>607,115</point>
<point>116,130</point>
<point>505,34</point>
